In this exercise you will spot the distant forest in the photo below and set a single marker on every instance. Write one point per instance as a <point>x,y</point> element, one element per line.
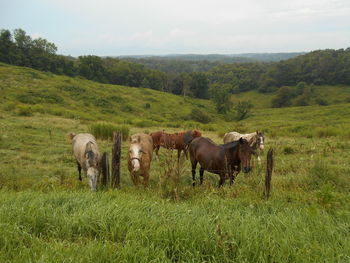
<point>202,63</point>
<point>182,75</point>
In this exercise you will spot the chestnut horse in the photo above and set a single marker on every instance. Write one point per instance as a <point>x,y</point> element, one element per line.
<point>223,160</point>
<point>175,141</point>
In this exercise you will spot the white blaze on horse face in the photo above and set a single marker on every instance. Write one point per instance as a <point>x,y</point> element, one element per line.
<point>92,174</point>
<point>135,156</point>
<point>261,143</point>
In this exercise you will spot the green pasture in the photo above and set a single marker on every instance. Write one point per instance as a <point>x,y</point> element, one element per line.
<point>47,215</point>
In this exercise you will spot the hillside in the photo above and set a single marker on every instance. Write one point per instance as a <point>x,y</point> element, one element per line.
<point>25,89</point>
<point>47,215</point>
<point>79,98</point>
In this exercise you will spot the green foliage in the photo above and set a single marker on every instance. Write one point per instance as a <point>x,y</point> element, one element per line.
<point>104,131</point>
<point>283,97</point>
<point>321,174</point>
<point>23,110</point>
<point>243,109</point>
<point>288,150</point>
<point>221,98</point>
<point>200,116</point>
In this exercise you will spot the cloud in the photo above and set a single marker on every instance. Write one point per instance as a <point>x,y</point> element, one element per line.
<point>156,26</point>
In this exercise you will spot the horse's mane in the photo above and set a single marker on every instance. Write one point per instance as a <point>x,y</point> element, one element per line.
<point>230,145</point>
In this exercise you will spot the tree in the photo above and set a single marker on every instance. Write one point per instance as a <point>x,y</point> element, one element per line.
<point>91,67</point>
<point>243,110</point>
<point>7,47</point>
<point>283,98</point>
<point>199,85</point>
<point>221,98</point>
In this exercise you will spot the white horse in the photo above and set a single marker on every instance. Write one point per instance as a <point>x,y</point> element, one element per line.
<point>87,155</point>
<point>255,139</point>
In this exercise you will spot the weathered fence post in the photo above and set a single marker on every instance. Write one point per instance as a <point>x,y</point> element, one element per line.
<point>116,153</point>
<point>269,168</point>
<point>105,169</point>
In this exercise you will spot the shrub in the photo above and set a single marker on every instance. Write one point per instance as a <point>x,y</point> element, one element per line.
<point>288,150</point>
<point>321,101</point>
<point>105,131</point>
<point>200,116</point>
<point>243,110</point>
<point>23,110</point>
<point>326,132</point>
<point>144,123</point>
<point>127,108</point>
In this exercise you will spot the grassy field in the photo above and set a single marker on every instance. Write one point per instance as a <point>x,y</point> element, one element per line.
<point>47,215</point>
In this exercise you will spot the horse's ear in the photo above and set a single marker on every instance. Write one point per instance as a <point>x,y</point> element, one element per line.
<point>70,137</point>
<point>138,139</point>
<point>241,141</point>
<point>257,131</point>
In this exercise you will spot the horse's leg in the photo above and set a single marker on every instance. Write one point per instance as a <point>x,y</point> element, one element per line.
<point>79,171</point>
<point>186,153</point>
<point>145,179</point>
<point>222,180</point>
<point>194,165</point>
<point>157,154</point>
<point>201,173</point>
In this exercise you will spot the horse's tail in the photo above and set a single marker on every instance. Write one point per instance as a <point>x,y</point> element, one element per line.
<point>70,137</point>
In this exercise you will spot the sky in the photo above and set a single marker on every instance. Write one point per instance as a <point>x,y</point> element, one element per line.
<point>159,27</point>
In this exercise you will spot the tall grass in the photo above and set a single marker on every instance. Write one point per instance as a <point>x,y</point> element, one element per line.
<point>104,131</point>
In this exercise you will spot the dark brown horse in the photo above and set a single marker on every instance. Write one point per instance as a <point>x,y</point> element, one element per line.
<point>224,160</point>
<point>175,141</point>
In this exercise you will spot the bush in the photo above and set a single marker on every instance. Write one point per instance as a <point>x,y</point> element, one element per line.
<point>288,150</point>
<point>144,123</point>
<point>105,131</point>
<point>243,110</point>
<point>23,110</point>
<point>322,102</point>
<point>326,132</point>
<point>200,116</point>
<point>127,108</point>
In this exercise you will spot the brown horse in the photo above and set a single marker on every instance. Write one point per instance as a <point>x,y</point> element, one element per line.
<point>223,160</point>
<point>175,141</point>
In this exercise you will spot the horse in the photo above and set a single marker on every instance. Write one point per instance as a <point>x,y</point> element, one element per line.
<point>223,160</point>
<point>175,141</point>
<point>140,157</point>
<point>255,139</point>
<point>87,156</point>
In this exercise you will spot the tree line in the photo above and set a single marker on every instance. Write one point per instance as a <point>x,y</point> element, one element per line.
<point>215,81</point>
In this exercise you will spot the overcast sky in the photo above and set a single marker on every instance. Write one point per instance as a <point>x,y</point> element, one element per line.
<point>107,27</point>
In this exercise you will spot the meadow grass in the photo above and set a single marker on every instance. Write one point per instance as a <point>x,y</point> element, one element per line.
<point>47,215</point>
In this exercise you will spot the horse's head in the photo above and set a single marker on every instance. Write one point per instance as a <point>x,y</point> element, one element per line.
<point>196,133</point>
<point>260,140</point>
<point>92,169</point>
<point>190,135</point>
<point>135,154</point>
<point>244,153</point>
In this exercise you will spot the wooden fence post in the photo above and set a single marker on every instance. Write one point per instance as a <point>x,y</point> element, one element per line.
<point>269,168</point>
<point>116,153</point>
<point>105,169</point>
